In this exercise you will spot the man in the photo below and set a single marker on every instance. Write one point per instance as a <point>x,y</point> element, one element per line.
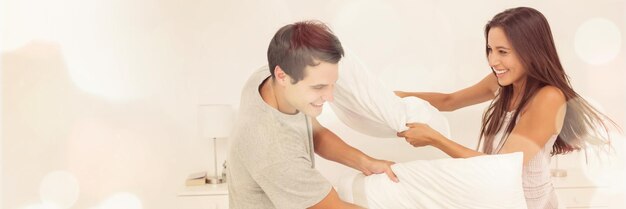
<point>271,163</point>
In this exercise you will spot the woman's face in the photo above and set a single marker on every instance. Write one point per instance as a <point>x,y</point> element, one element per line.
<point>503,59</point>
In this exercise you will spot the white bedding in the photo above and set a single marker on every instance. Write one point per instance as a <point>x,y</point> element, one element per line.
<point>483,182</point>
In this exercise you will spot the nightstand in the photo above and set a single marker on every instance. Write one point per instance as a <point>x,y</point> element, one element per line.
<point>577,191</point>
<point>204,197</point>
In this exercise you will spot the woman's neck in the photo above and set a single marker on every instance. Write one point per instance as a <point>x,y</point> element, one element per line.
<point>518,93</point>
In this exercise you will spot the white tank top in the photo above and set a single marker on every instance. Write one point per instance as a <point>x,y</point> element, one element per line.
<point>536,177</point>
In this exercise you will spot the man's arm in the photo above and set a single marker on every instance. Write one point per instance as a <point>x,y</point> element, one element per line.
<point>331,147</point>
<point>332,201</point>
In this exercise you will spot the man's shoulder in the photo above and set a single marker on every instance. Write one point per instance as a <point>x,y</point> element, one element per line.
<point>260,129</point>
<point>257,76</point>
<point>251,86</point>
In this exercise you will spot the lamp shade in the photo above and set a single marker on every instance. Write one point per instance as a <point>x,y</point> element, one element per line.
<point>215,120</point>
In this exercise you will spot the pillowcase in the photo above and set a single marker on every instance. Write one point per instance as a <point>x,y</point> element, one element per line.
<point>482,182</point>
<point>363,103</point>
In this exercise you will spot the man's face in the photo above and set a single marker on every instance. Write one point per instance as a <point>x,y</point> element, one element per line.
<point>309,94</point>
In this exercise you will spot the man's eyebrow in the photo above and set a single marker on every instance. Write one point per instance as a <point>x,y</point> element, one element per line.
<point>319,85</point>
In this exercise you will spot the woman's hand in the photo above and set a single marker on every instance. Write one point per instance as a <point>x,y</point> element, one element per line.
<point>401,94</point>
<point>420,134</point>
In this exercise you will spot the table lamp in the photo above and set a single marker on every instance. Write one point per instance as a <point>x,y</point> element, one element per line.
<point>215,121</point>
<point>558,172</point>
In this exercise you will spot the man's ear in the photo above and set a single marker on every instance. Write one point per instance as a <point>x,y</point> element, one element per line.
<point>281,77</point>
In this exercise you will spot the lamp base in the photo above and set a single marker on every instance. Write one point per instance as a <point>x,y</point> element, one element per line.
<point>558,172</point>
<point>214,180</point>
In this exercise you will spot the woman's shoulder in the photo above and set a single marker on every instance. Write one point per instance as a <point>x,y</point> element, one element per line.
<point>547,96</point>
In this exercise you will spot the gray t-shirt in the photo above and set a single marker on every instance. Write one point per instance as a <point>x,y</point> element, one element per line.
<point>270,163</point>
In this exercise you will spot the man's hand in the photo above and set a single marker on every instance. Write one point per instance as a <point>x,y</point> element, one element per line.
<point>374,166</point>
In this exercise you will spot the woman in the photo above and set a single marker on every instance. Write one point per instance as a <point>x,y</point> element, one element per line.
<point>534,109</point>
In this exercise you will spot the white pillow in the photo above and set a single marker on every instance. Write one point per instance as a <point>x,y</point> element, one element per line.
<point>363,103</point>
<point>482,182</point>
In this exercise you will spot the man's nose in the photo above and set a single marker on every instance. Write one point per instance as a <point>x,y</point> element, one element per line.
<point>328,95</point>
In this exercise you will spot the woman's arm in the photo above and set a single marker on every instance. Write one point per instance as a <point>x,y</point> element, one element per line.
<point>420,134</point>
<point>542,118</point>
<point>480,92</point>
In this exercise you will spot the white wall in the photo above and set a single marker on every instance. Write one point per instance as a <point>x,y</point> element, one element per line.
<point>106,92</point>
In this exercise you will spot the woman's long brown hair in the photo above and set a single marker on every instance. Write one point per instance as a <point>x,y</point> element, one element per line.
<point>529,33</point>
